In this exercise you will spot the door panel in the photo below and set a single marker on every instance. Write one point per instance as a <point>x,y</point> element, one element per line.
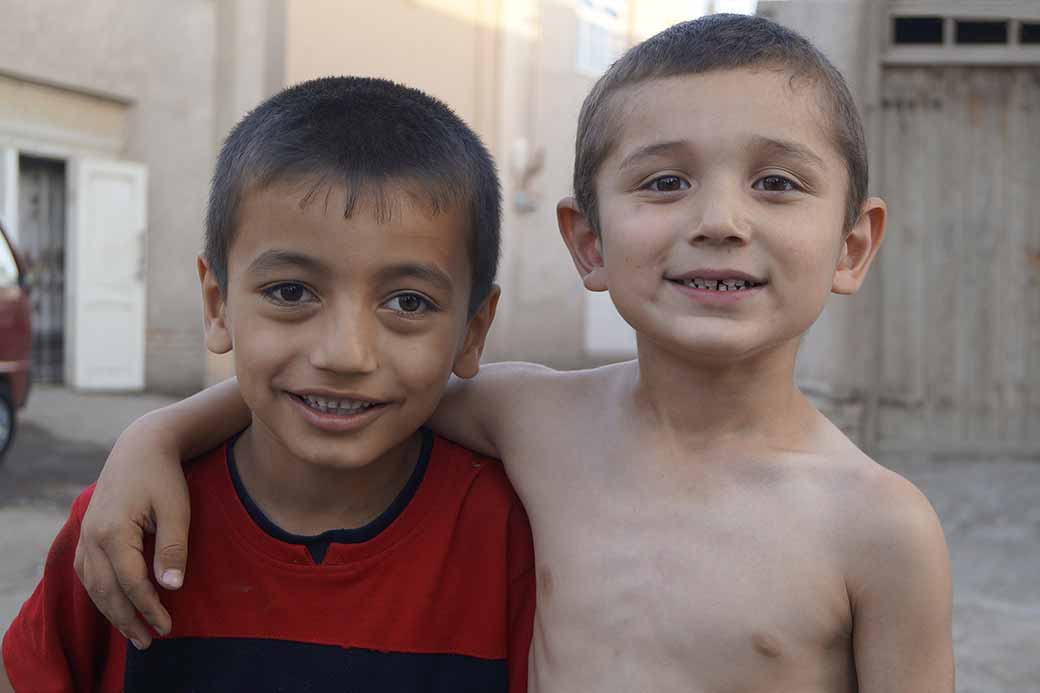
<point>106,272</point>
<point>960,268</point>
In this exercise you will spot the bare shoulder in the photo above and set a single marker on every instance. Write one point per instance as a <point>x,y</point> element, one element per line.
<point>882,520</point>
<point>896,569</point>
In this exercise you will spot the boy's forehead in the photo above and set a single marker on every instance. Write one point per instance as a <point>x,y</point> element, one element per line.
<point>722,108</point>
<point>398,218</point>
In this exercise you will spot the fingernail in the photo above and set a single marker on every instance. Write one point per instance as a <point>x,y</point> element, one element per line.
<point>137,643</point>
<point>172,578</point>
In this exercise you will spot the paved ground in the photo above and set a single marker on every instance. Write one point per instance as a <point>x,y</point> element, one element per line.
<point>61,443</point>
<point>991,517</point>
<point>989,511</point>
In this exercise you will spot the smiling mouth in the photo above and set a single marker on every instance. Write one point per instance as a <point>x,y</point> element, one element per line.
<point>722,285</point>
<point>336,407</point>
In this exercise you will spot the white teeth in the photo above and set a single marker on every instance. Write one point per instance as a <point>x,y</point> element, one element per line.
<point>720,285</point>
<point>336,406</point>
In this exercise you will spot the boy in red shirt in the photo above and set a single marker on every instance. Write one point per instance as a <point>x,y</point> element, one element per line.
<point>351,245</point>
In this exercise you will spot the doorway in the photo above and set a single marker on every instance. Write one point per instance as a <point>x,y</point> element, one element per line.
<point>41,240</point>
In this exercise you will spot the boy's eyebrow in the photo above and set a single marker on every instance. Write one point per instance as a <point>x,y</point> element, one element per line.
<point>651,150</point>
<point>786,148</point>
<point>428,273</point>
<point>279,259</point>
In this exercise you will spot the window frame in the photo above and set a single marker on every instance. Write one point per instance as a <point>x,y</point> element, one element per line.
<point>1012,52</point>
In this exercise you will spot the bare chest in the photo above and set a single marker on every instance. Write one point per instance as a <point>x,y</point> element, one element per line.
<point>684,581</point>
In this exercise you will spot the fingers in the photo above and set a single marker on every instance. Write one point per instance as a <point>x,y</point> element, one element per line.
<point>130,572</point>
<point>99,579</point>
<point>172,518</point>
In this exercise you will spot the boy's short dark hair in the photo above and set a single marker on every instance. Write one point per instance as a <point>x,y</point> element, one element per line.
<point>718,42</point>
<point>364,134</point>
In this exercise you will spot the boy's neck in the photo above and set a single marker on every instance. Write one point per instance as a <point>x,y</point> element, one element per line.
<point>307,499</point>
<point>750,403</point>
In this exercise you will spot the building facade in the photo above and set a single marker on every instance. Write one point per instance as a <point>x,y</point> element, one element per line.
<point>111,114</point>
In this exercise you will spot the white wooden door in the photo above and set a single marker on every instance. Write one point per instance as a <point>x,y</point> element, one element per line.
<point>105,285</point>
<point>960,337</point>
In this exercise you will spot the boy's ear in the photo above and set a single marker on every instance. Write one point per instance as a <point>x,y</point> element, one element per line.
<point>583,242</point>
<point>860,246</point>
<point>214,311</point>
<point>467,361</point>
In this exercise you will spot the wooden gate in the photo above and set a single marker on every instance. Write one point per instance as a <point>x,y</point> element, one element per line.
<point>960,323</point>
<point>41,185</point>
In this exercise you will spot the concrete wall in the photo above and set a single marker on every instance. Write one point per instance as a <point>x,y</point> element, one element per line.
<point>441,48</point>
<point>157,58</point>
<point>541,312</point>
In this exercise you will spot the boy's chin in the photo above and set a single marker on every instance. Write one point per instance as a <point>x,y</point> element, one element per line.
<point>723,350</point>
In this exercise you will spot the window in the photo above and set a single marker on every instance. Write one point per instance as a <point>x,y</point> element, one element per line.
<point>601,34</point>
<point>917,30</point>
<point>982,32</point>
<point>929,32</point>
<point>1029,34</point>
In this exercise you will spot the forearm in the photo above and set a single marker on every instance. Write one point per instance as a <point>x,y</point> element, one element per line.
<point>458,418</point>
<point>486,412</point>
<point>197,424</point>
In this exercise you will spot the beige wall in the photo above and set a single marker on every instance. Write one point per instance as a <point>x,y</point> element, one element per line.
<point>441,48</point>
<point>37,116</point>
<point>541,314</point>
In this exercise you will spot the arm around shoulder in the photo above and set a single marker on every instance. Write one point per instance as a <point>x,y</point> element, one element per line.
<point>901,594</point>
<point>486,412</point>
<point>142,487</point>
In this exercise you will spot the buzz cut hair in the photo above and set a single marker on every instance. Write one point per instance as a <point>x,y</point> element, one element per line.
<point>369,136</point>
<point>718,42</point>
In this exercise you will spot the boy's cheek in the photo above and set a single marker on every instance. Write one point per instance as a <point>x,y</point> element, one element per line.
<point>424,366</point>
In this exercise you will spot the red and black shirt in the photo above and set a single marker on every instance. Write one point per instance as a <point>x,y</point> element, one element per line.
<point>435,595</point>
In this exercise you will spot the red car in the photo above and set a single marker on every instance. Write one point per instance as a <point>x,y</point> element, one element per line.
<point>15,340</point>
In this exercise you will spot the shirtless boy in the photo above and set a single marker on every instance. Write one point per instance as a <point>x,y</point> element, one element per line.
<point>698,525</point>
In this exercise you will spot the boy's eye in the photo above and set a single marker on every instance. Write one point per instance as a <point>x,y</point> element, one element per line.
<point>775,184</point>
<point>409,304</point>
<point>289,293</point>
<point>667,184</point>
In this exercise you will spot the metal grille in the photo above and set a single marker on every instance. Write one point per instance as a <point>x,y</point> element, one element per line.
<point>41,236</point>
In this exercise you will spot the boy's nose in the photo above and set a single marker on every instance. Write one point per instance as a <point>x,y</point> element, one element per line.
<point>346,345</point>
<point>721,221</point>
